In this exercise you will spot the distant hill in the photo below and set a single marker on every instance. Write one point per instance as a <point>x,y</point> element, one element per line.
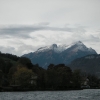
<point>89,64</point>
<point>59,54</point>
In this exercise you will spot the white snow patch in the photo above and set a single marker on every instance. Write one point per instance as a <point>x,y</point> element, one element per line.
<point>60,48</point>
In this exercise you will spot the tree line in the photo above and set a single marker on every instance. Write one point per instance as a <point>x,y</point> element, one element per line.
<point>20,73</point>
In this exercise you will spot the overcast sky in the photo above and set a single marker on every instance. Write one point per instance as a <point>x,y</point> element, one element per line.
<point>26,25</point>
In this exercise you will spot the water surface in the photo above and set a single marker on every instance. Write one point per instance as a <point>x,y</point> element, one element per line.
<point>87,94</point>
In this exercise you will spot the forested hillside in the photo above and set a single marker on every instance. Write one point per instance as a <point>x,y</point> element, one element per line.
<point>19,74</point>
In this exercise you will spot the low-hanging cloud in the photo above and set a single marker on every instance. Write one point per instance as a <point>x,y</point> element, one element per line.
<point>23,31</point>
<point>21,39</point>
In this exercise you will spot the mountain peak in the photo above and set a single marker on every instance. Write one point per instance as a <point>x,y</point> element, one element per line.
<point>59,54</point>
<point>78,43</point>
<point>60,48</point>
<point>53,46</point>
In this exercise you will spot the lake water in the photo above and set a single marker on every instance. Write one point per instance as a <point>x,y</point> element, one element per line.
<point>87,94</point>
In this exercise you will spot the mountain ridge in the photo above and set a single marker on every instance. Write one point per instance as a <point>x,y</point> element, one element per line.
<point>60,48</point>
<point>57,54</point>
<point>89,64</point>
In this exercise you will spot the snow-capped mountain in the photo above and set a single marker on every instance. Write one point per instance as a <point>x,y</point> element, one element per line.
<point>60,48</point>
<point>59,53</point>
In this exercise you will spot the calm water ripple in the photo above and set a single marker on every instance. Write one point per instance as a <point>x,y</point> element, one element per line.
<point>87,94</point>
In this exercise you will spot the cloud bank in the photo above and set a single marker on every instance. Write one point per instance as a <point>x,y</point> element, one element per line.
<point>26,25</point>
<point>20,39</point>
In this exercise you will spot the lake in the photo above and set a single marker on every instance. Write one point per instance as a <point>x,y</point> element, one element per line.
<point>86,94</point>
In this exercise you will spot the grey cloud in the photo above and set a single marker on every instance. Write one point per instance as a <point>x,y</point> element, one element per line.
<point>90,38</point>
<point>20,31</point>
<point>18,50</point>
<point>8,49</point>
<point>24,49</point>
<point>24,31</point>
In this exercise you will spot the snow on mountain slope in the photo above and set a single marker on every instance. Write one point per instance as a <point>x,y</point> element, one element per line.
<point>60,48</point>
<point>59,54</point>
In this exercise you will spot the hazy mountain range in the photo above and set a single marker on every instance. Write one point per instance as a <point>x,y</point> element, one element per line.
<point>57,54</point>
<point>88,64</point>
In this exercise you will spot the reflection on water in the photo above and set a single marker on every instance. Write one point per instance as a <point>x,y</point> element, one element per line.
<point>87,94</point>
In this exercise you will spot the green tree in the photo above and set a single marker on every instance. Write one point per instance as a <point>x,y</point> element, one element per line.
<point>94,81</point>
<point>23,77</point>
<point>1,74</point>
<point>77,78</point>
<point>59,76</point>
<point>26,62</point>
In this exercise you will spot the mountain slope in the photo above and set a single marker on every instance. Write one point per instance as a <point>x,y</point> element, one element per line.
<point>59,54</point>
<point>89,64</point>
